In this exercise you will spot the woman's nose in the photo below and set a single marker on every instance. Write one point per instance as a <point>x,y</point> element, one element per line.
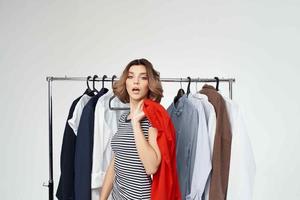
<point>136,80</point>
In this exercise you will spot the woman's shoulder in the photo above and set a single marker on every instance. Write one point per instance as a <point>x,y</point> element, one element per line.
<point>145,122</point>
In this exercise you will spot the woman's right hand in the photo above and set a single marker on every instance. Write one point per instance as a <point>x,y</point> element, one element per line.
<point>138,114</point>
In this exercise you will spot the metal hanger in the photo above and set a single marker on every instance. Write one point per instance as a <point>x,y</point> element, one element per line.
<point>180,93</point>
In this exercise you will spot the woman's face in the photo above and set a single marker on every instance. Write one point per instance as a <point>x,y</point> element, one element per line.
<point>137,82</point>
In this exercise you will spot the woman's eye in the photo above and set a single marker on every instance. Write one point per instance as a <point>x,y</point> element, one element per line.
<point>130,77</point>
<point>145,78</point>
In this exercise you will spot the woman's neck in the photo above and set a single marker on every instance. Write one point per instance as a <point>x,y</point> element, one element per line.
<point>133,105</point>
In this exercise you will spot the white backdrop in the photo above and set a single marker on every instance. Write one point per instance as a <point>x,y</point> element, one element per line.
<point>256,42</point>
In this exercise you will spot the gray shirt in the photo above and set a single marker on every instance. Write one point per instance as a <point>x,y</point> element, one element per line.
<point>185,118</point>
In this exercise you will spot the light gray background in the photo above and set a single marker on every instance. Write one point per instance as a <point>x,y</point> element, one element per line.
<point>256,42</point>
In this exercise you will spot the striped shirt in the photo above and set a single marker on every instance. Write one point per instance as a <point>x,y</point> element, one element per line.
<point>131,180</point>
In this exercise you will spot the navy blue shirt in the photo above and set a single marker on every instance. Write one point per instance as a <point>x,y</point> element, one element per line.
<point>84,149</point>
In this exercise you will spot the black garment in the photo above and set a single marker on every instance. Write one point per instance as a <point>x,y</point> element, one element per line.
<point>84,149</point>
<point>65,190</point>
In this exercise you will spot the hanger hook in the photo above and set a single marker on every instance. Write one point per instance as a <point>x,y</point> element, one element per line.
<point>217,80</point>
<point>87,82</point>
<point>112,80</point>
<point>103,78</point>
<point>181,83</point>
<point>94,79</point>
<point>188,88</point>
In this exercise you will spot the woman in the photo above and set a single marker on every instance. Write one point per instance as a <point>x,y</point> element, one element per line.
<point>136,152</point>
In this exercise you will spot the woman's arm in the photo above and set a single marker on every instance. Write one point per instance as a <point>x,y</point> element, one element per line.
<point>108,180</point>
<point>148,151</point>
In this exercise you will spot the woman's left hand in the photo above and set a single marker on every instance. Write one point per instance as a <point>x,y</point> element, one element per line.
<point>138,114</point>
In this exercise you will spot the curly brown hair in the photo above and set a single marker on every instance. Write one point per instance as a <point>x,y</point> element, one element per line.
<point>154,84</point>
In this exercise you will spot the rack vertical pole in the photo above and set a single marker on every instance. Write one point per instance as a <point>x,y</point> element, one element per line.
<point>50,182</point>
<point>230,89</point>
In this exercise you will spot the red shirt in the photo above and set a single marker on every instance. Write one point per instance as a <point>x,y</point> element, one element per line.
<point>165,185</point>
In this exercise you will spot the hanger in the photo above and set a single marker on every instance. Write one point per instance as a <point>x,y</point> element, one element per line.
<point>87,84</point>
<point>89,91</point>
<point>94,79</point>
<point>188,90</point>
<point>197,85</point>
<point>111,98</point>
<point>217,85</point>
<point>180,93</point>
<point>103,78</point>
<point>112,81</point>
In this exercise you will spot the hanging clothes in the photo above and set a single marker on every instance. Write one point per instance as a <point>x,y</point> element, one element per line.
<point>242,163</point>
<point>222,145</point>
<point>105,126</point>
<point>65,190</point>
<point>185,117</point>
<point>202,163</point>
<point>206,152</point>
<point>84,149</point>
<point>74,121</point>
<point>210,117</point>
<point>165,183</point>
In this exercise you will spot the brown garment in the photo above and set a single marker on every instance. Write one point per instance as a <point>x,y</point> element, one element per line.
<point>222,145</point>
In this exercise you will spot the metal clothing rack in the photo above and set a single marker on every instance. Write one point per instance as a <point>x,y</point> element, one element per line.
<point>50,79</point>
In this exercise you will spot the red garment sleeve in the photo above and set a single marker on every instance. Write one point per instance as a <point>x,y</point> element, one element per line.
<point>165,185</point>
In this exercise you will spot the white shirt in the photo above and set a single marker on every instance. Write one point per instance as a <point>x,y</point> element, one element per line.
<point>202,165</point>
<point>242,164</point>
<point>211,120</point>
<point>210,116</point>
<point>105,126</point>
<point>74,121</point>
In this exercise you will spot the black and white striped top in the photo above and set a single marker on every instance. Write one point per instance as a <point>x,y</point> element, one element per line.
<point>131,180</point>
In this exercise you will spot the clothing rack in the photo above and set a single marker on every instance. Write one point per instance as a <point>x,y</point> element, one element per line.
<point>50,79</point>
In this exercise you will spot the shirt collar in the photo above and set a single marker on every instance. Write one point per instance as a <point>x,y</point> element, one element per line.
<point>200,96</point>
<point>178,108</point>
<point>206,86</point>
